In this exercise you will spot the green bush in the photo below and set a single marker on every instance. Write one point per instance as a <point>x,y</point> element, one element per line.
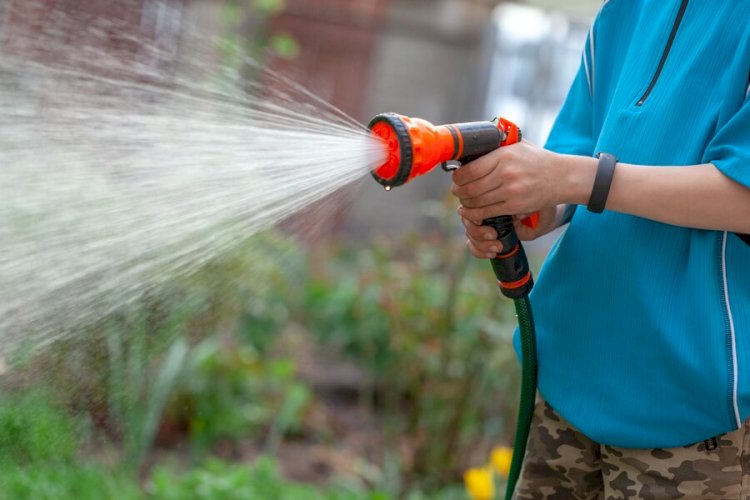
<point>216,480</point>
<point>429,325</point>
<point>34,430</point>
<point>65,482</point>
<point>426,323</point>
<point>39,447</point>
<point>234,391</point>
<point>124,369</point>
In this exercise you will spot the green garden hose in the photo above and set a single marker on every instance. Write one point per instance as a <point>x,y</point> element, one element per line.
<point>511,268</point>
<point>528,390</point>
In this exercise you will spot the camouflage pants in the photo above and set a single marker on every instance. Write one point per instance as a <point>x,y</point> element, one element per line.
<point>561,463</point>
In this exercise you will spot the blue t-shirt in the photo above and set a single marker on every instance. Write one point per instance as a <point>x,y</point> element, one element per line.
<point>644,328</point>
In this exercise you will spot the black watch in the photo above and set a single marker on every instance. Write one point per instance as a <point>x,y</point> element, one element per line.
<point>604,173</point>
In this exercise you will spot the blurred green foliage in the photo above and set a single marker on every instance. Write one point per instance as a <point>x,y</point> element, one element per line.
<point>217,480</point>
<point>34,430</point>
<point>198,363</point>
<point>129,370</point>
<point>236,392</point>
<point>39,447</point>
<point>66,481</point>
<point>284,45</point>
<point>431,328</point>
<point>249,31</point>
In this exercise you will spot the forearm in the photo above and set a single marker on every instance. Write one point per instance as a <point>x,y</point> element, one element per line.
<point>697,196</point>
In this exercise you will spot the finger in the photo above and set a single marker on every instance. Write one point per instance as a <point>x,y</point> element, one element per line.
<point>491,197</point>
<point>486,247</point>
<point>477,169</point>
<point>477,232</point>
<point>524,233</point>
<point>476,222</point>
<point>475,189</point>
<point>483,212</point>
<point>477,252</point>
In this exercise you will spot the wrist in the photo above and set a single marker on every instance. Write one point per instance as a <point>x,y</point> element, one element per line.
<point>578,174</point>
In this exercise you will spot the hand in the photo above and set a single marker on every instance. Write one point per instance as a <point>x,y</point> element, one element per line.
<point>482,240</point>
<point>516,179</point>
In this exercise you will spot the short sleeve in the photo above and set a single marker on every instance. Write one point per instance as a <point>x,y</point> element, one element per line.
<point>572,132</point>
<point>729,150</point>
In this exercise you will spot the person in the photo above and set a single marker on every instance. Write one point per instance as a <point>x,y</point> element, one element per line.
<point>642,310</point>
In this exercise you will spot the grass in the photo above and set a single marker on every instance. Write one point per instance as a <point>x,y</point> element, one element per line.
<point>33,430</point>
<point>61,481</point>
<point>39,447</point>
<point>215,480</point>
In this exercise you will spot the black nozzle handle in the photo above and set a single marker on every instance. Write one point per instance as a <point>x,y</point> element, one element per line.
<point>511,266</point>
<point>477,139</point>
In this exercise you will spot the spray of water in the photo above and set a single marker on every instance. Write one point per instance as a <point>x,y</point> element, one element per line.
<point>120,172</point>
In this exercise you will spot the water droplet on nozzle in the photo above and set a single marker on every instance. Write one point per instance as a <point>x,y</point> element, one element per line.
<point>388,188</point>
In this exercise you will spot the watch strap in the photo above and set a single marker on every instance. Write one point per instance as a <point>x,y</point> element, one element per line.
<point>605,171</point>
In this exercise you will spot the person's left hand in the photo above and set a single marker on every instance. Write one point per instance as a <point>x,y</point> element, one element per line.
<point>482,240</point>
<point>511,180</point>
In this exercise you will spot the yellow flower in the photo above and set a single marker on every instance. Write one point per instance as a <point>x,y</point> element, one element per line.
<point>479,483</point>
<point>501,458</point>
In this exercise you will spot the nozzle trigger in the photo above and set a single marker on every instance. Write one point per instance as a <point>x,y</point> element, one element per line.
<point>450,166</point>
<point>531,221</point>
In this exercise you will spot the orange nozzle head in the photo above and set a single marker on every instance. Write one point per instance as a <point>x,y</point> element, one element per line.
<point>415,147</point>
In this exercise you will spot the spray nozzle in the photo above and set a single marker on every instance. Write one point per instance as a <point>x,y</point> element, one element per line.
<point>416,146</point>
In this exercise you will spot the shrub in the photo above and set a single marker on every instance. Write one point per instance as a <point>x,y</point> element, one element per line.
<point>61,481</point>
<point>123,369</point>
<point>429,325</point>
<point>34,430</point>
<point>217,480</point>
<point>234,391</point>
<point>39,443</point>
